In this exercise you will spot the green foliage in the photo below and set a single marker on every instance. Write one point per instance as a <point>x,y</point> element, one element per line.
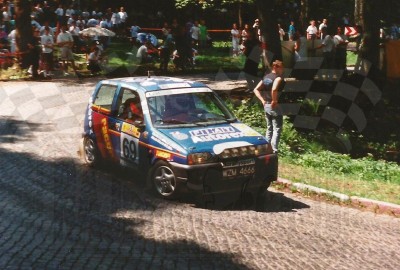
<point>311,106</point>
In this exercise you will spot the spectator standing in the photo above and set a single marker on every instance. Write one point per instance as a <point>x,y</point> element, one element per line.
<point>235,40</point>
<point>322,25</point>
<point>60,14</point>
<point>116,20</point>
<point>165,29</point>
<point>252,51</point>
<point>346,19</point>
<point>6,20</point>
<point>291,30</point>
<point>12,39</point>
<point>74,30</point>
<point>341,49</point>
<point>85,14</point>
<point>312,31</point>
<point>47,42</point>
<point>195,34</point>
<point>34,53</point>
<point>105,23</point>
<point>257,28</point>
<point>165,51</point>
<point>65,42</point>
<point>245,32</point>
<point>300,46</point>
<point>43,28</point>
<point>328,46</point>
<point>267,91</point>
<point>123,16</point>
<point>69,12</point>
<point>281,32</point>
<point>203,34</point>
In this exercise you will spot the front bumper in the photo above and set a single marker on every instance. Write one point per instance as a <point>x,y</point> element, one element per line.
<point>209,178</point>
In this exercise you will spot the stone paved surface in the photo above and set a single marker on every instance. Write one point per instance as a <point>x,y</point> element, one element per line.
<point>57,214</point>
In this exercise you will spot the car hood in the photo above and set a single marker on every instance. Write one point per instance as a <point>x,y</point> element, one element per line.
<point>214,138</point>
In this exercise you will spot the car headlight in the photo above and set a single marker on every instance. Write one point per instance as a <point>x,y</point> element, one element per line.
<point>263,149</point>
<point>199,158</point>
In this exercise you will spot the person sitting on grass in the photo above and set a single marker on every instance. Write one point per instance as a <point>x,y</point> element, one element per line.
<point>93,61</point>
<point>143,53</point>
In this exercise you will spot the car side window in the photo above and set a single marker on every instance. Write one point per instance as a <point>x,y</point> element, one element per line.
<point>105,96</point>
<point>130,108</point>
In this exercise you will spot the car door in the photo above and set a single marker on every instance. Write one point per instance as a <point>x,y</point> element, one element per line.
<point>125,124</point>
<point>101,112</point>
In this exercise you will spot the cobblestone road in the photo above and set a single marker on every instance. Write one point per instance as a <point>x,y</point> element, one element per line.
<point>57,214</point>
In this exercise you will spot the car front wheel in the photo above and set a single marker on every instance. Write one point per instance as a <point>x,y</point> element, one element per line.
<point>164,180</point>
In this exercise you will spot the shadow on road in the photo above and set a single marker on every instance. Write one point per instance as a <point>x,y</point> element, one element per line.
<point>88,214</point>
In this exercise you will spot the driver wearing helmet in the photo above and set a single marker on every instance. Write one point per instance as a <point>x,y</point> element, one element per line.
<point>132,110</point>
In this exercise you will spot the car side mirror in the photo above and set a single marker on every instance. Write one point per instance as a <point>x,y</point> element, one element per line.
<point>140,125</point>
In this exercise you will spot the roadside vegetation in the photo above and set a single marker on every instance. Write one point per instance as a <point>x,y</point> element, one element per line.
<point>306,157</point>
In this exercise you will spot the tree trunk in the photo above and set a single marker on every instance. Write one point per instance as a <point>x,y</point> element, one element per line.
<point>371,23</point>
<point>358,13</point>
<point>240,20</point>
<point>24,29</point>
<point>304,12</point>
<point>269,30</point>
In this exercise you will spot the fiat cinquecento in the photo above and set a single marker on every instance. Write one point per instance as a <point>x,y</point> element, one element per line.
<point>179,133</point>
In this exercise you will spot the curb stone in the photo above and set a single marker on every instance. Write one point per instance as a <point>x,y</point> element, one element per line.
<point>378,207</point>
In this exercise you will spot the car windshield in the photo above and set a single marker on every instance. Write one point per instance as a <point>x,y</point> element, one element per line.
<point>191,107</point>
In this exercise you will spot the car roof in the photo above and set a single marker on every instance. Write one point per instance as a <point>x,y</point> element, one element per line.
<point>155,83</point>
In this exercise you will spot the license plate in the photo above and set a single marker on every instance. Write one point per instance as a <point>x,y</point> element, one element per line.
<point>239,168</point>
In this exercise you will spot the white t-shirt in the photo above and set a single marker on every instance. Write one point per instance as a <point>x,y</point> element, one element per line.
<point>69,12</point>
<point>142,52</point>
<point>59,12</point>
<point>235,35</point>
<point>46,40</point>
<point>322,25</point>
<point>312,30</point>
<point>115,18</point>
<point>328,44</point>
<point>123,16</point>
<point>51,31</point>
<point>195,30</point>
<point>340,41</point>
<point>64,37</point>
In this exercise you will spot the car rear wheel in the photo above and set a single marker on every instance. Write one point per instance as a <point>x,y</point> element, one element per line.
<point>90,152</point>
<point>164,180</point>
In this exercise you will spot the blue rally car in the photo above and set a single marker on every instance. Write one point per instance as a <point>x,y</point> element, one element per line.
<point>179,133</point>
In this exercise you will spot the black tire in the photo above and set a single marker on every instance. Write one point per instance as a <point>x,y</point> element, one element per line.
<point>262,198</point>
<point>90,153</point>
<point>163,180</point>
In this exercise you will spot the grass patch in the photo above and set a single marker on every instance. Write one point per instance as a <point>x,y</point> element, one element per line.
<point>341,182</point>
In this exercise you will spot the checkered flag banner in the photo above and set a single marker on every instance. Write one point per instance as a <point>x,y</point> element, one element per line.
<point>334,96</point>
